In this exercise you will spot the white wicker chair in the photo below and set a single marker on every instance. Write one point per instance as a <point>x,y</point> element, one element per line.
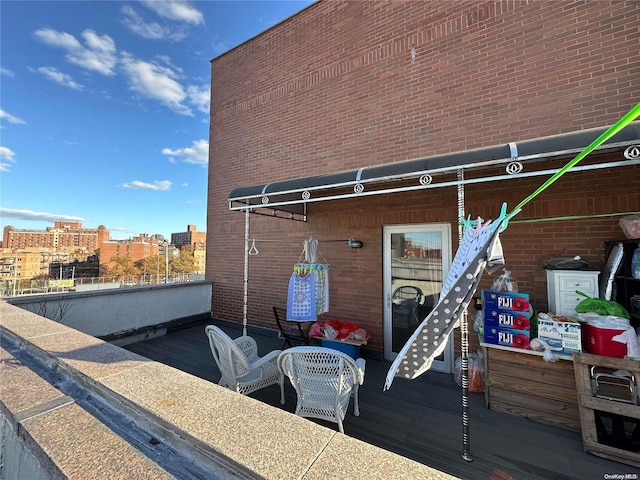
<point>324,379</point>
<point>242,369</point>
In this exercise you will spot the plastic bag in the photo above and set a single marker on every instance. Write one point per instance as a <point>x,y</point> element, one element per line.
<point>600,306</point>
<point>359,335</point>
<point>330,333</point>
<point>478,323</point>
<point>630,225</point>
<point>539,345</point>
<point>475,372</point>
<point>342,328</point>
<point>505,283</point>
<point>605,321</point>
<point>569,263</point>
<point>316,330</point>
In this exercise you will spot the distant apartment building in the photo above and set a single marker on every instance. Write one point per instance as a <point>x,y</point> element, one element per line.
<point>192,238</point>
<point>63,236</point>
<point>200,257</point>
<point>137,248</point>
<point>19,265</point>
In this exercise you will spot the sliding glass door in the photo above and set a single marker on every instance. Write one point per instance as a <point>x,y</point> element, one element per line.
<point>416,260</point>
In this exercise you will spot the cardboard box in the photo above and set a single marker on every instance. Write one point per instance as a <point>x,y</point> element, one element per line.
<point>507,337</point>
<point>507,319</point>
<point>511,301</point>
<point>564,338</point>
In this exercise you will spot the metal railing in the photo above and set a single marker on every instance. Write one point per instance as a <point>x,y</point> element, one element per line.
<point>13,289</point>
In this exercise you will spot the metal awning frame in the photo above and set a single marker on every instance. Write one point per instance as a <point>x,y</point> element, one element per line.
<point>263,204</point>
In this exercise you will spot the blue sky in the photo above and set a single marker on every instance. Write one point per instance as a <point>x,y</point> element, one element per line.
<point>104,108</point>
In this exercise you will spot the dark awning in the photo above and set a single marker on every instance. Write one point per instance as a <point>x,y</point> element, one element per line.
<point>291,196</point>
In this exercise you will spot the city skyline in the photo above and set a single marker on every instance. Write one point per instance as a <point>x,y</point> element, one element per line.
<point>105,109</point>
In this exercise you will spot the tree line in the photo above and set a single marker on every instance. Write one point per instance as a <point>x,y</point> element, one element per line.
<point>123,265</point>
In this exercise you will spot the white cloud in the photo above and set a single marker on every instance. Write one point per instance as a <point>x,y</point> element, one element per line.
<point>200,97</point>
<point>149,30</point>
<point>58,39</point>
<point>98,55</point>
<point>6,153</point>
<point>38,216</point>
<point>156,185</point>
<point>5,71</point>
<point>167,61</point>
<point>197,154</point>
<point>176,10</point>
<point>134,22</point>
<point>155,81</point>
<point>6,159</point>
<point>10,118</point>
<point>60,78</point>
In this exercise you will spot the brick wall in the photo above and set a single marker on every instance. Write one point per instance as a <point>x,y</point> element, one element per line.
<point>344,85</point>
<point>136,251</point>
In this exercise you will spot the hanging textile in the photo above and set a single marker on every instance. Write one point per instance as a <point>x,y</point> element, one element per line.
<point>321,272</point>
<point>309,266</point>
<point>301,298</point>
<point>480,248</point>
<point>322,290</point>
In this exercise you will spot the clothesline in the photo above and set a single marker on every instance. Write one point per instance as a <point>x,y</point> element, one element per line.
<point>611,131</point>
<point>295,241</point>
<point>572,217</point>
<point>253,250</point>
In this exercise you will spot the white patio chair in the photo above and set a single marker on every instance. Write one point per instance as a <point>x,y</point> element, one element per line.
<point>324,380</point>
<point>242,369</point>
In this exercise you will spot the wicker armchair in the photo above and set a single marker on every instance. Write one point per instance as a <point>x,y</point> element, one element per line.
<point>242,369</point>
<point>324,379</point>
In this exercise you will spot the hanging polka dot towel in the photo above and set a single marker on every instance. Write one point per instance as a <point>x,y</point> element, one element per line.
<point>479,249</point>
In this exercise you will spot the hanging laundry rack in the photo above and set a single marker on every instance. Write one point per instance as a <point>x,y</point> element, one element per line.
<point>308,291</point>
<point>250,249</point>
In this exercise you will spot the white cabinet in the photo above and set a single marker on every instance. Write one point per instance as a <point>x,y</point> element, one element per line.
<point>562,286</point>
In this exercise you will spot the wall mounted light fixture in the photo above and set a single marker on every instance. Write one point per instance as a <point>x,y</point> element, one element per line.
<point>355,243</point>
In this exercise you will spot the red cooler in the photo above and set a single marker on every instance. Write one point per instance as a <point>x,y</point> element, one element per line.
<point>596,339</point>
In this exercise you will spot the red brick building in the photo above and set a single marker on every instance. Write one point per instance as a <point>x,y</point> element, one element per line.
<point>374,112</point>
<point>63,236</point>
<point>138,248</point>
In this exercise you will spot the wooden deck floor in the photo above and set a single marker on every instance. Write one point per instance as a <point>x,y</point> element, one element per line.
<point>418,419</point>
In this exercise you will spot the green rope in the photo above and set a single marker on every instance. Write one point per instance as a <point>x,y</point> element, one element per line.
<point>572,217</point>
<point>611,131</point>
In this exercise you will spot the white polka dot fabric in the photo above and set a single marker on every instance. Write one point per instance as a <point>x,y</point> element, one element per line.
<point>479,248</point>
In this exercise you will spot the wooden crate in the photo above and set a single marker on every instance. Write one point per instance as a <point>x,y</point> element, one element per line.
<point>521,383</point>
<point>588,405</point>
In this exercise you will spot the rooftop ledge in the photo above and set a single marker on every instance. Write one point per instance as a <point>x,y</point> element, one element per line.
<point>72,405</point>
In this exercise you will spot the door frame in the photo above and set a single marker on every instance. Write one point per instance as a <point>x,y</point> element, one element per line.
<point>444,229</point>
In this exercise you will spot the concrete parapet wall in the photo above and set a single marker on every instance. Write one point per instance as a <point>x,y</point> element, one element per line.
<point>76,407</point>
<point>109,312</point>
